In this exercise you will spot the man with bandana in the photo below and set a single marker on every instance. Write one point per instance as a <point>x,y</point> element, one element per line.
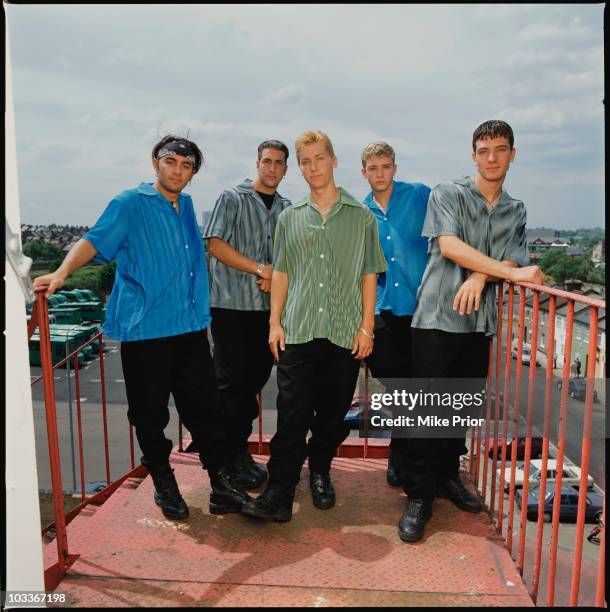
<point>159,309</point>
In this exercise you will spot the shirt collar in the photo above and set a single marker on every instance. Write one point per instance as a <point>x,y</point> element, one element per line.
<point>149,190</point>
<point>504,197</point>
<point>344,198</point>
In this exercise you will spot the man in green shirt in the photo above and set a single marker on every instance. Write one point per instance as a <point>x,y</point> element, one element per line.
<point>326,259</point>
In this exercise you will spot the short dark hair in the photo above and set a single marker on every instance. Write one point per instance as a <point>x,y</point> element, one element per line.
<point>493,129</point>
<point>278,145</point>
<point>173,138</point>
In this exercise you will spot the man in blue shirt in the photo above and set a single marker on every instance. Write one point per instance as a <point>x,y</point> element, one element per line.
<point>159,309</point>
<point>400,209</point>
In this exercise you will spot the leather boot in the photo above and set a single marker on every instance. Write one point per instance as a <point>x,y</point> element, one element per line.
<point>413,519</point>
<point>454,490</point>
<point>273,504</point>
<point>255,469</point>
<point>243,476</point>
<point>226,495</point>
<point>322,491</point>
<point>167,495</point>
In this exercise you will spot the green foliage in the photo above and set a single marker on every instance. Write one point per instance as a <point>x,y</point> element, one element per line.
<point>107,272</point>
<point>37,249</point>
<point>562,267</point>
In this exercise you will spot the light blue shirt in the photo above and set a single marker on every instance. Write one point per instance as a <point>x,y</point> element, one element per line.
<point>405,250</point>
<point>161,284</point>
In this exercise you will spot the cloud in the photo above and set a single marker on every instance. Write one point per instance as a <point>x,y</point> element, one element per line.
<point>419,76</point>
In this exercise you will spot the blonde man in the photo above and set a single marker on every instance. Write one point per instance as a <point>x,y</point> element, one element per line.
<point>400,209</point>
<point>326,258</point>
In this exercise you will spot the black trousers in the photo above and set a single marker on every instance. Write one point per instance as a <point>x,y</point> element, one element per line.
<point>180,365</point>
<point>438,354</point>
<point>316,382</point>
<point>391,357</point>
<point>243,363</point>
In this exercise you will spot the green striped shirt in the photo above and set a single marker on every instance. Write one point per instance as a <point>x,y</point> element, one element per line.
<point>325,260</point>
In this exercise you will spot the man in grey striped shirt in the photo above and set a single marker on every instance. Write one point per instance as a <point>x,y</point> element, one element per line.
<point>240,241</point>
<point>476,235</point>
<point>326,259</point>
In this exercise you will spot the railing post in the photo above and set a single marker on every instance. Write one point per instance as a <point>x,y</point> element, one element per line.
<point>104,414</point>
<point>46,362</point>
<point>585,456</point>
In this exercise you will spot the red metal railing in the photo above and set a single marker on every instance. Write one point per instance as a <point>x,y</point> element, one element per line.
<point>479,441</point>
<point>40,318</point>
<point>503,401</point>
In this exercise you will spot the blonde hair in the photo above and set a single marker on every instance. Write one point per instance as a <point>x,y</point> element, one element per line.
<point>311,137</point>
<point>377,149</point>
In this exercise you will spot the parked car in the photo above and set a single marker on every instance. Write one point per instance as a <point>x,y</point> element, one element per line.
<point>570,474</point>
<point>577,388</point>
<point>536,444</point>
<point>568,508</point>
<point>526,354</point>
<point>355,416</point>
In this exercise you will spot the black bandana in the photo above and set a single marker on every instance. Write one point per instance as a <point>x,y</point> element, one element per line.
<point>176,147</point>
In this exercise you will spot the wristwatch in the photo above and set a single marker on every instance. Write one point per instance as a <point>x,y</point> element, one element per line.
<point>261,267</point>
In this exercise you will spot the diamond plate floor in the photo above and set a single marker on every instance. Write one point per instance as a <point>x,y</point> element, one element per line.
<point>350,555</point>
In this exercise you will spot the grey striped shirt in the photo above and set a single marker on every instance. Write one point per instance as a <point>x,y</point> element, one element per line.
<point>458,208</point>
<point>242,220</point>
<point>325,260</point>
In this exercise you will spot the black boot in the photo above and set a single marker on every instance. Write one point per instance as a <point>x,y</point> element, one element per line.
<point>413,519</point>
<point>167,495</point>
<point>453,489</point>
<point>322,491</point>
<point>273,504</point>
<point>226,495</point>
<point>243,476</point>
<point>255,469</point>
<point>392,476</point>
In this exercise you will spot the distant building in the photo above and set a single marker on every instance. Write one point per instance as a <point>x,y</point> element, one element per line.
<point>598,256</point>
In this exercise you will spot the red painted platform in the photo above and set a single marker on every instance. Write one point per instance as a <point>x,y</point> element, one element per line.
<point>350,555</point>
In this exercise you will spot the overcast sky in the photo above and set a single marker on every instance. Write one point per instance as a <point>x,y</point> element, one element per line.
<point>96,86</point>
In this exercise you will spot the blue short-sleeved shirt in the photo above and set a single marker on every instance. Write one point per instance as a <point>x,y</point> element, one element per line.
<point>161,285</point>
<point>406,252</point>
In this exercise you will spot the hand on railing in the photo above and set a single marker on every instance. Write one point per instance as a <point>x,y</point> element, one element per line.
<point>51,282</point>
<point>528,274</point>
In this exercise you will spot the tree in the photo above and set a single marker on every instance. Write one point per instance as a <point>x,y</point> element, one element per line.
<point>37,249</point>
<point>107,273</point>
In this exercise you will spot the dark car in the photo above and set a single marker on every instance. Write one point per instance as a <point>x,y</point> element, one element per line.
<point>577,388</point>
<point>568,508</point>
<point>521,440</point>
<point>355,418</point>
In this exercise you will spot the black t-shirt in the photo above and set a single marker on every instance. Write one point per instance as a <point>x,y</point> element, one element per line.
<point>267,199</point>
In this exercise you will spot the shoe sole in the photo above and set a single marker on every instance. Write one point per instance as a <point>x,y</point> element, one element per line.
<point>279,517</point>
<point>169,515</point>
<point>223,509</point>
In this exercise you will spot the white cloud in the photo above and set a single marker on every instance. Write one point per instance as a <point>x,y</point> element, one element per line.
<point>419,76</point>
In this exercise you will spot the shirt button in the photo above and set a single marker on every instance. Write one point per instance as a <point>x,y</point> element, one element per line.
<point>193,301</point>
<point>322,256</point>
<point>321,284</point>
<point>392,258</point>
<point>186,246</point>
<point>320,309</point>
<point>388,237</point>
<point>385,218</point>
<point>191,274</point>
<point>395,284</point>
